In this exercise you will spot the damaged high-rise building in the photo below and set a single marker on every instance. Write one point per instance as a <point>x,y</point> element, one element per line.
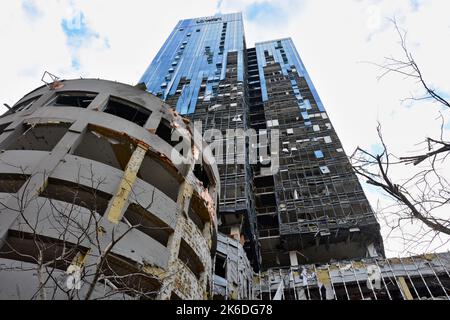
<point>219,176</point>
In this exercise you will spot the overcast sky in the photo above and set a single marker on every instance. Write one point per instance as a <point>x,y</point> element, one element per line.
<point>116,40</point>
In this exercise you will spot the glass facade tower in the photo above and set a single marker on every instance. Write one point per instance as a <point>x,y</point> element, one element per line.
<point>313,209</point>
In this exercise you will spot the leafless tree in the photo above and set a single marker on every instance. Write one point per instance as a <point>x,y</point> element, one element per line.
<point>73,263</point>
<point>423,198</point>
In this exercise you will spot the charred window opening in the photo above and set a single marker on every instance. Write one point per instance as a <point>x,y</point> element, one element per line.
<point>127,110</point>
<point>73,99</point>
<point>11,183</point>
<point>267,222</point>
<point>188,256</point>
<point>199,211</point>
<point>147,223</point>
<point>164,131</point>
<point>41,137</point>
<point>221,266</point>
<point>69,192</point>
<point>201,175</point>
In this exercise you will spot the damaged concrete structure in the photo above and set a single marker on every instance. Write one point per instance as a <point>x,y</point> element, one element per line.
<point>233,278</point>
<point>314,205</point>
<point>95,202</point>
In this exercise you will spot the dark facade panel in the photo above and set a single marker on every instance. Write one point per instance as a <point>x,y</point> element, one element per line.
<point>314,204</point>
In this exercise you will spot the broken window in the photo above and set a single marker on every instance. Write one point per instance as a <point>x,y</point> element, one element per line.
<point>73,99</point>
<point>157,174</point>
<point>221,266</point>
<point>196,218</point>
<point>106,150</point>
<point>127,110</point>
<point>273,123</point>
<point>42,137</point>
<point>4,126</point>
<point>11,183</point>
<point>22,246</point>
<point>237,118</point>
<point>307,104</point>
<point>201,175</point>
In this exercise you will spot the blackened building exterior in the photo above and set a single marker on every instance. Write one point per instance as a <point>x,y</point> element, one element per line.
<point>313,208</point>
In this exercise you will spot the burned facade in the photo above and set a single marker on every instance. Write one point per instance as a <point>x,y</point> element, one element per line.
<point>95,202</point>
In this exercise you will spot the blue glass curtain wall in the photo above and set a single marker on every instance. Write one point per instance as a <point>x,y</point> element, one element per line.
<point>196,51</point>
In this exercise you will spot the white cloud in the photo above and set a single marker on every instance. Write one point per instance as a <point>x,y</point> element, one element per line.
<point>333,38</point>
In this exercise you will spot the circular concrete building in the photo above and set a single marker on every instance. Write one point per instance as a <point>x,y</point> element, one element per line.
<point>104,194</point>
